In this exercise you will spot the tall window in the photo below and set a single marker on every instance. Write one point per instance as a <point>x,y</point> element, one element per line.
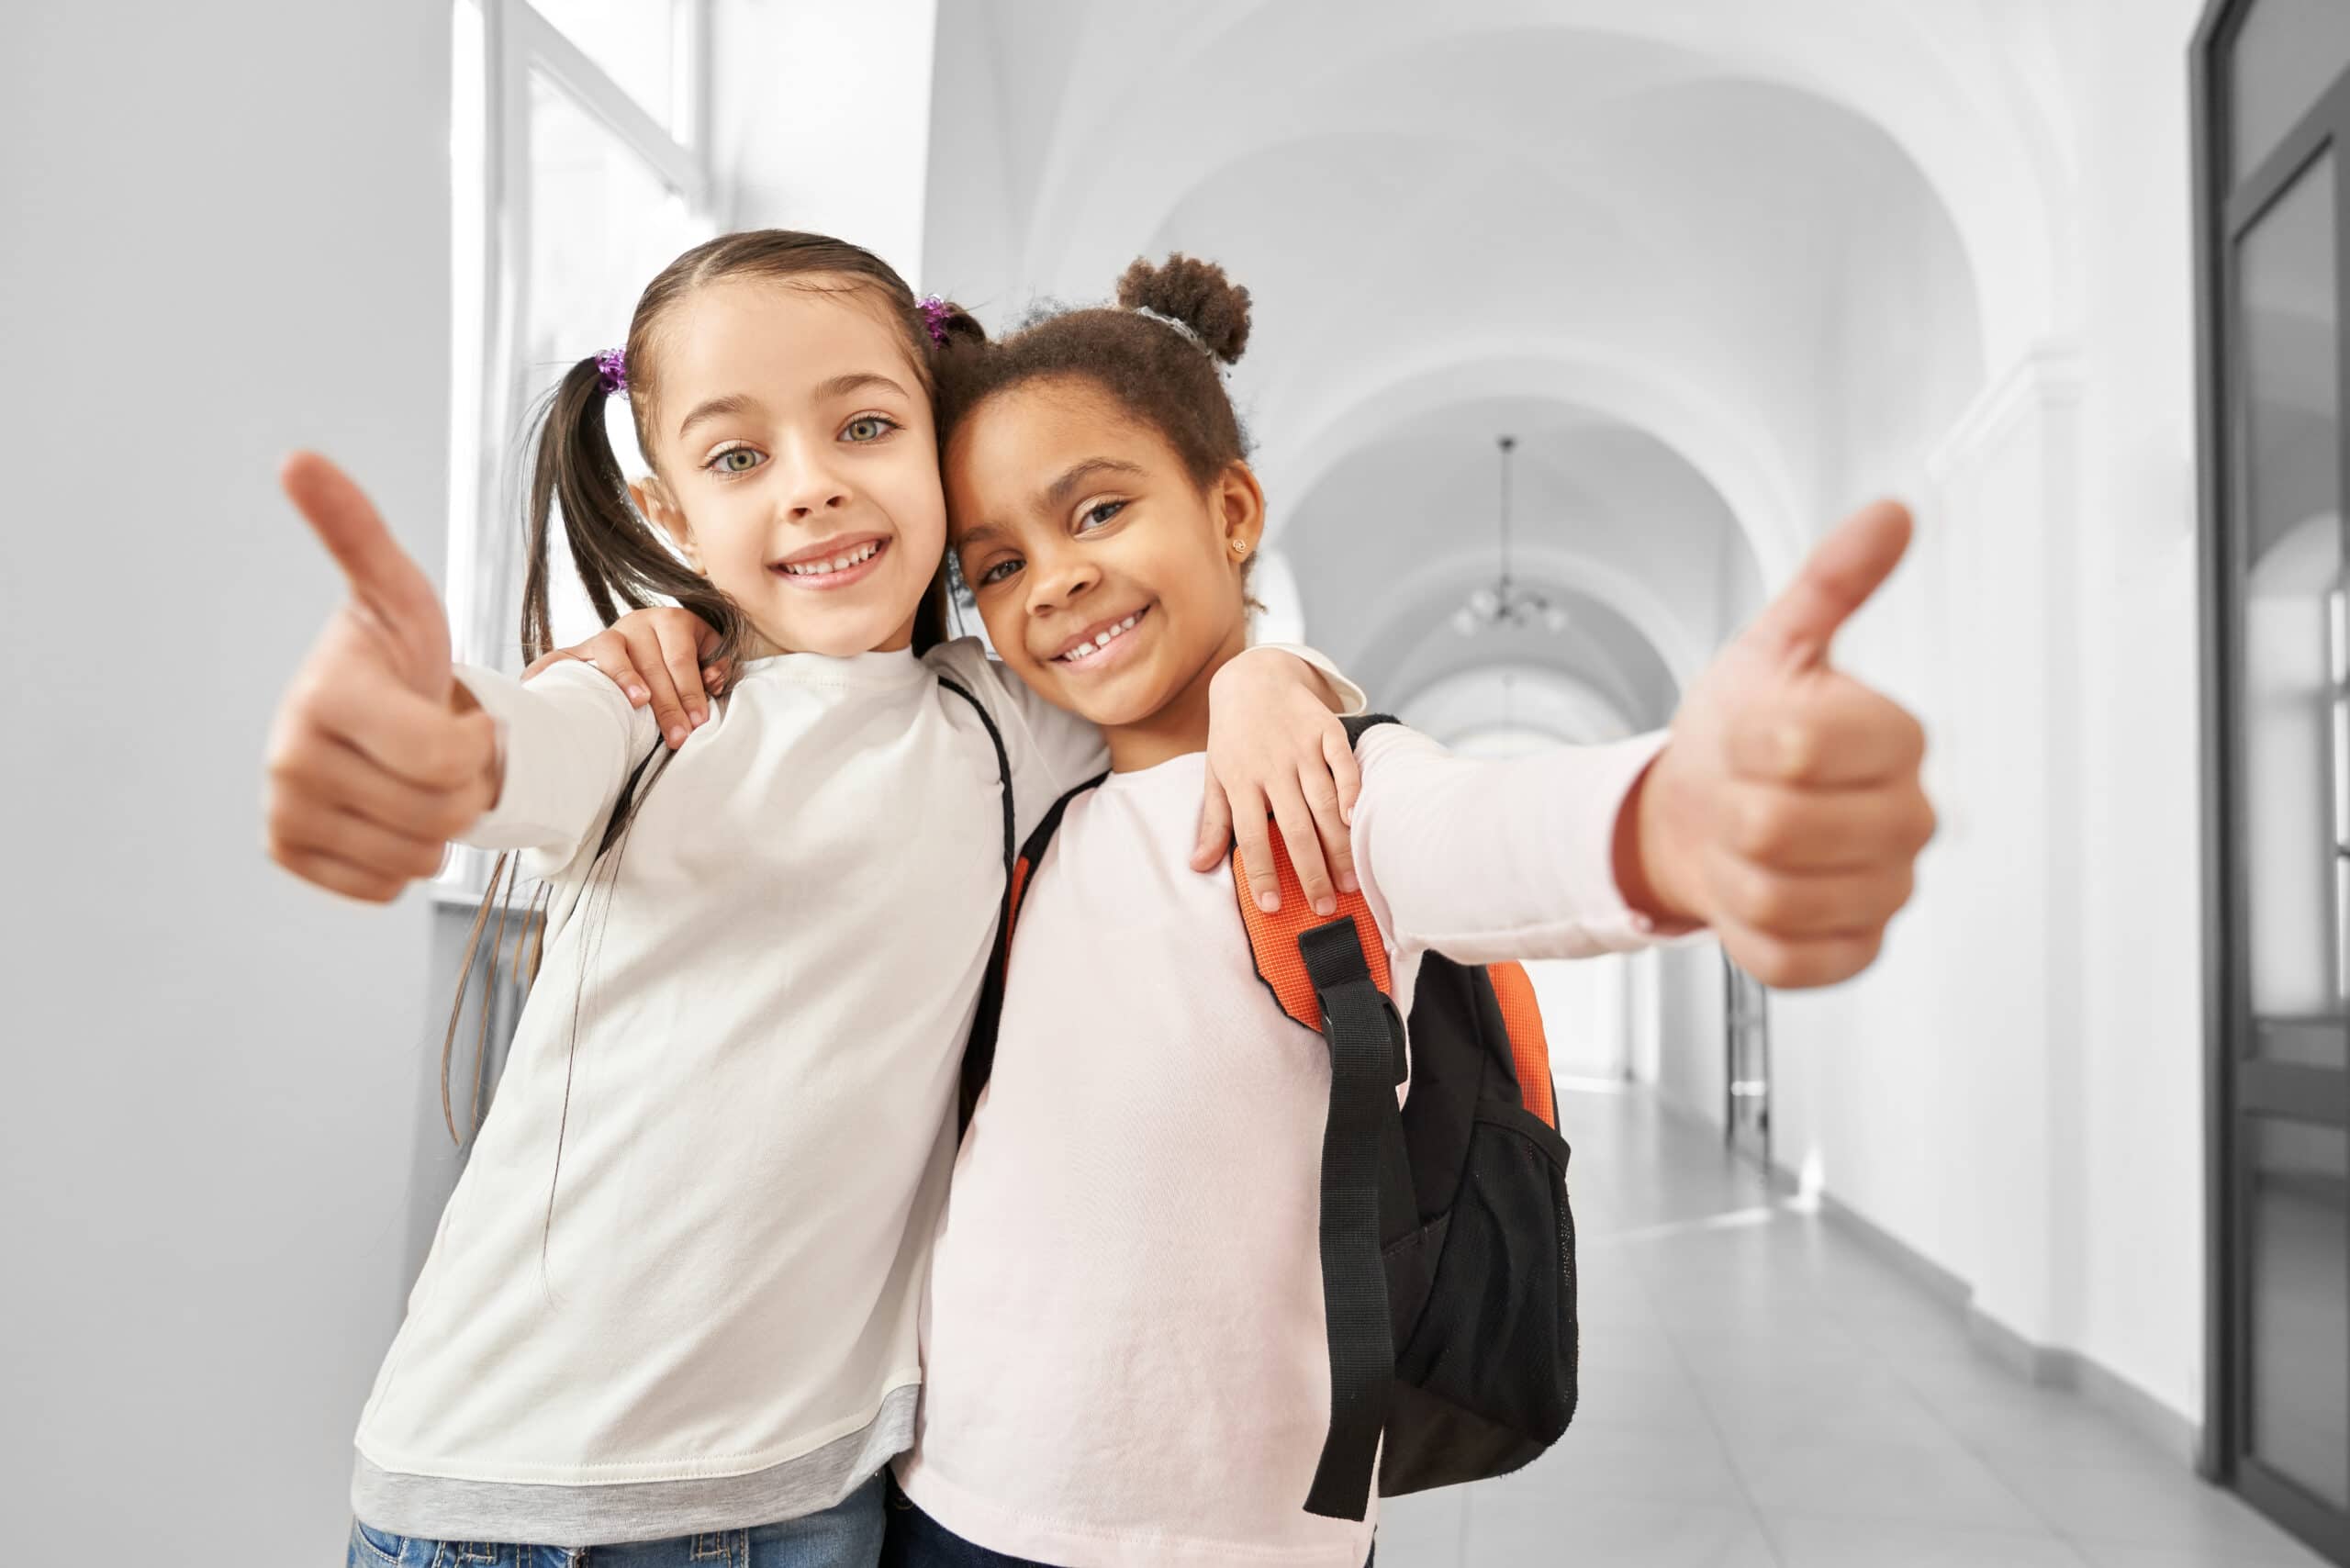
<point>579,152</point>
<point>579,160</point>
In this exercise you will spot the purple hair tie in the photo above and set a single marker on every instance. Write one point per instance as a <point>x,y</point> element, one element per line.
<point>935,312</point>
<point>611,368</point>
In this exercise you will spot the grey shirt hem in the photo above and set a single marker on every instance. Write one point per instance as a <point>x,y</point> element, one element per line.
<point>437,1509</point>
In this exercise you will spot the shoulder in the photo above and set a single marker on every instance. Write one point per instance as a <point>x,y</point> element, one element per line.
<point>965,661</point>
<point>1384,746</point>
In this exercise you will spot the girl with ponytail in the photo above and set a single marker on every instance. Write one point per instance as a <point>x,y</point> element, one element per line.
<point>671,1307</point>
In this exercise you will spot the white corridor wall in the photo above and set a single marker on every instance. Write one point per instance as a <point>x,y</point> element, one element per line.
<point>227,235</point>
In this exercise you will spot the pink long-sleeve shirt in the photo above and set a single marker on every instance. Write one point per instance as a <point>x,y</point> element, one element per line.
<point>1122,1341</point>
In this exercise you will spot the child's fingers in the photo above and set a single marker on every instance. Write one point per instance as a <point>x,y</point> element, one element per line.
<point>311,827</point>
<point>1321,792</point>
<point>677,640</point>
<point>1216,826</point>
<point>1296,819</point>
<point>1836,734</point>
<point>1812,831</point>
<point>317,767</point>
<point>1253,844</point>
<point>417,740</point>
<point>651,669</point>
<point>1346,772</point>
<point>607,654</point>
<point>1810,908</point>
<point>1789,964</point>
<point>339,877</point>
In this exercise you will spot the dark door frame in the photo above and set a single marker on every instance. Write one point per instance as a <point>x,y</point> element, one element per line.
<point>2224,208</point>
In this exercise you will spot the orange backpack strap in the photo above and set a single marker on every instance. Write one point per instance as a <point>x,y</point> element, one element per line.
<point>1530,1048</point>
<point>1273,938</point>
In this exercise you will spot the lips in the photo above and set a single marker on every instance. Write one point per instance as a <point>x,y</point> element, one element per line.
<point>834,564</point>
<point>1095,640</point>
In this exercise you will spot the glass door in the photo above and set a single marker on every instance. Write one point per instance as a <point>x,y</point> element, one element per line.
<point>2274,144</point>
<point>1746,1069</point>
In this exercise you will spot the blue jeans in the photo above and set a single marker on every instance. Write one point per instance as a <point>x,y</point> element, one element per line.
<point>917,1541</point>
<point>846,1535</point>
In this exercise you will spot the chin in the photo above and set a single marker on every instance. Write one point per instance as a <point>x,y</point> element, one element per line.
<point>1129,697</point>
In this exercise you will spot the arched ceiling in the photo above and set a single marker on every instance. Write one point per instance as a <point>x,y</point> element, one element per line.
<point>1712,260</point>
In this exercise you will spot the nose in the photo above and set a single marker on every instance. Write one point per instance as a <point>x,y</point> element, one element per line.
<point>1058,577</point>
<point>815,486</point>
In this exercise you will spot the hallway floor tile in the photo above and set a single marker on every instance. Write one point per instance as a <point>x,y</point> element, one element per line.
<point>1761,1390</point>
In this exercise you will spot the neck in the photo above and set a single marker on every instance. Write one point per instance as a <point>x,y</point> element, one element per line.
<point>1181,725</point>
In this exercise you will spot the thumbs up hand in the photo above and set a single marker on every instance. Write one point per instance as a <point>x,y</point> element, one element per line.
<point>1786,811</point>
<point>378,755</point>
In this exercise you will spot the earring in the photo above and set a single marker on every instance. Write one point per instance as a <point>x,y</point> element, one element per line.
<point>1241,546</point>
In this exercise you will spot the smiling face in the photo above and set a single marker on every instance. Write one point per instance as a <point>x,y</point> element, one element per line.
<point>1109,579</point>
<point>796,462</point>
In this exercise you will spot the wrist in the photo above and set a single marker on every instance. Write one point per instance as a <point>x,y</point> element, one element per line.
<point>1648,876</point>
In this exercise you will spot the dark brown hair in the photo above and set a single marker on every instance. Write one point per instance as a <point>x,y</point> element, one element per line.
<point>1162,367</point>
<point>1160,353</point>
<point>623,560</point>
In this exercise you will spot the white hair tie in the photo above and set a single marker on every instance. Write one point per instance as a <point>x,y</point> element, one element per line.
<point>1189,331</point>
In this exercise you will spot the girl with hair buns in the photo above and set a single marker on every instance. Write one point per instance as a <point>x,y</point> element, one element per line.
<point>670,1313</point>
<point>1124,1342</point>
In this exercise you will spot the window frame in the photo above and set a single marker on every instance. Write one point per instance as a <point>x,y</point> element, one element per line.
<point>497,46</point>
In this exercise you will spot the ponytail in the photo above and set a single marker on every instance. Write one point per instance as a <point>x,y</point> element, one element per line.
<point>621,561</point>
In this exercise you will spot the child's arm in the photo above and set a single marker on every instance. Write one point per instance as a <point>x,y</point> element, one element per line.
<point>381,753</point>
<point>1274,744</point>
<point>1272,733</point>
<point>1784,810</point>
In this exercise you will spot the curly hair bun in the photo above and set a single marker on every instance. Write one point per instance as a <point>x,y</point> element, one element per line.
<point>1195,292</point>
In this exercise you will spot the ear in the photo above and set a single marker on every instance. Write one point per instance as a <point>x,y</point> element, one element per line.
<point>1237,503</point>
<point>652,498</point>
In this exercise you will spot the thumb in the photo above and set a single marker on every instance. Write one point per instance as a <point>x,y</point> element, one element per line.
<point>382,579</point>
<point>1844,569</point>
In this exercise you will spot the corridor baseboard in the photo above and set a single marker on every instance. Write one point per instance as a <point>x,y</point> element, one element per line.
<point>2046,1366</point>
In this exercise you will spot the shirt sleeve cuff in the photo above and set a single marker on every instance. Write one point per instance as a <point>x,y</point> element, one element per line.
<point>547,787</point>
<point>1587,840</point>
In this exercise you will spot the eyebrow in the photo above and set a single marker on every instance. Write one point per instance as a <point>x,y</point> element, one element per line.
<point>838,386</point>
<point>857,381</point>
<point>1057,494</point>
<point>734,403</point>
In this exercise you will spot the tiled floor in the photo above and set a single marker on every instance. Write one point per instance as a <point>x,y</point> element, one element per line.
<point>1760,1390</point>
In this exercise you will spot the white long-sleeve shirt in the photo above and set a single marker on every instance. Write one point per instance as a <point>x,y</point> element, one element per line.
<point>1124,1345</point>
<point>745,1036</point>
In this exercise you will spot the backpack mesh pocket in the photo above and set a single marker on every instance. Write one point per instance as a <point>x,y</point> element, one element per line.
<point>1497,1339</point>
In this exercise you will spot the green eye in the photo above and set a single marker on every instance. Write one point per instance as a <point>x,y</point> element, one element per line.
<point>727,460</point>
<point>868,428</point>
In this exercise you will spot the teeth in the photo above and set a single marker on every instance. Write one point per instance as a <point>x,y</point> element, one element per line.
<point>1084,651</point>
<point>858,556</point>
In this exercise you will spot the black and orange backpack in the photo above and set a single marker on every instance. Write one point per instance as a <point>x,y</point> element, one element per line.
<point>1448,1247</point>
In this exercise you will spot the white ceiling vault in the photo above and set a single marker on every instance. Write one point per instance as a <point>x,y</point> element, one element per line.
<point>1720,266</point>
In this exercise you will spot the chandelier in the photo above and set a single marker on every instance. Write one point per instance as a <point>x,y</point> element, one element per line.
<point>1505,604</point>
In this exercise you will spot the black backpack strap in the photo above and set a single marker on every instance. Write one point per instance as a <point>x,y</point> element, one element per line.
<point>1367,1063</point>
<point>979,1051</point>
